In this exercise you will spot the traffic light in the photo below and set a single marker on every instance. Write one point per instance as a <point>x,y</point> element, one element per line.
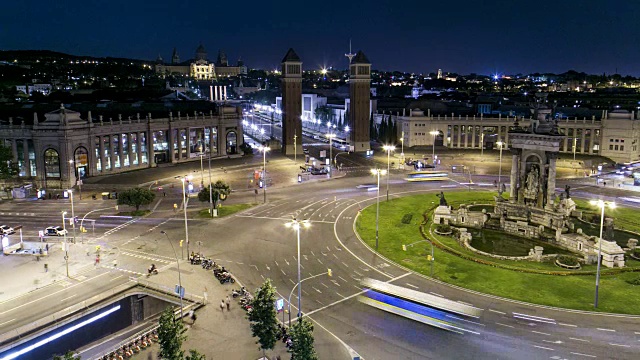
<point>329,272</point>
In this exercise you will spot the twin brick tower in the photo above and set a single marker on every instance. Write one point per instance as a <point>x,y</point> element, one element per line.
<point>359,111</point>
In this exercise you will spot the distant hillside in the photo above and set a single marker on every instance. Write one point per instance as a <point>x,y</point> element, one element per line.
<point>33,55</point>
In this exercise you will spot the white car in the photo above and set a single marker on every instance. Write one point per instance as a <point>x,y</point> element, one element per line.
<point>6,230</point>
<point>55,231</point>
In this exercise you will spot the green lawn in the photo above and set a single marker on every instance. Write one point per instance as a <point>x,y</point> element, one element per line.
<point>225,210</point>
<point>575,291</point>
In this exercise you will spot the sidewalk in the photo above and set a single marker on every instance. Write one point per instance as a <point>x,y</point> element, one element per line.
<point>226,334</point>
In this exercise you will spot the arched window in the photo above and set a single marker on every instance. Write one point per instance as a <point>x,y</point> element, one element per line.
<point>231,142</point>
<point>81,162</point>
<point>51,163</point>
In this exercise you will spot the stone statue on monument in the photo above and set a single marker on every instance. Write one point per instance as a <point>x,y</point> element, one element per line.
<point>567,193</point>
<point>532,185</point>
<point>443,201</point>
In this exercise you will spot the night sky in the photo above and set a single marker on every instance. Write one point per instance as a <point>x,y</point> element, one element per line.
<point>481,36</point>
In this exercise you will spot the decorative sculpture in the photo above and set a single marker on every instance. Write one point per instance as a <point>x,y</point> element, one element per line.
<point>443,201</point>
<point>532,184</point>
<point>567,193</point>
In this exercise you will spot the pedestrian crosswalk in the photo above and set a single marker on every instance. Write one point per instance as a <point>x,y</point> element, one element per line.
<point>155,258</point>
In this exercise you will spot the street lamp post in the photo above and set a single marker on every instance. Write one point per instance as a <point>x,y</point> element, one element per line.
<point>378,172</point>
<point>330,136</point>
<point>291,294</point>
<point>201,170</point>
<point>184,205</point>
<point>601,204</point>
<point>73,215</point>
<point>296,224</point>
<point>402,150</point>
<point>179,277</point>
<point>295,149</point>
<point>388,149</point>
<point>66,245</point>
<point>433,154</point>
<point>482,145</point>
<point>210,185</point>
<point>264,150</point>
<point>501,145</point>
<point>575,144</point>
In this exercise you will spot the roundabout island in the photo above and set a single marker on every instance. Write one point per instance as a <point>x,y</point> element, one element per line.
<point>491,261</point>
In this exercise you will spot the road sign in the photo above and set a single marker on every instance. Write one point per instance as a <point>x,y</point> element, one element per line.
<point>323,153</point>
<point>279,305</point>
<point>179,290</point>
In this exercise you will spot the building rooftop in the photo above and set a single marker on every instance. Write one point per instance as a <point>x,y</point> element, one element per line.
<point>291,56</point>
<point>360,58</point>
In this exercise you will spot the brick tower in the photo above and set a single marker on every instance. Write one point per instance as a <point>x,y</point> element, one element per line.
<point>359,94</point>
<point>291,103</point>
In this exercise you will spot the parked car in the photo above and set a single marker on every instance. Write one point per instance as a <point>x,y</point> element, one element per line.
<point>6,230</point>
<point>55,231</point>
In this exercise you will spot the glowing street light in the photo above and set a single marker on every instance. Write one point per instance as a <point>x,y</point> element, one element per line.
<point>388,149</point>
<point>184,180</point>
<point>264,150</point>
<point>601,204</point>
<point>378,172</point>
<point>501,145</point>
<point>330,136</point>
<point>296,225</point>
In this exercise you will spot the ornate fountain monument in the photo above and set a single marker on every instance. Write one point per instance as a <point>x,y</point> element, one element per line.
<point>533,209</point>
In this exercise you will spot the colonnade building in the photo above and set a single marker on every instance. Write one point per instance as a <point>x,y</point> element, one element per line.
<point>614,134</point>
<point>55,149</point>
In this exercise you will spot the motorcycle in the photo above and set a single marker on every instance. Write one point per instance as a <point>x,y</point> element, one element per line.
<point>227,278</point>
<point>152,270</point>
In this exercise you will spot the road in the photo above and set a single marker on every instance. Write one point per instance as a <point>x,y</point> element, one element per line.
<point>506,330</point>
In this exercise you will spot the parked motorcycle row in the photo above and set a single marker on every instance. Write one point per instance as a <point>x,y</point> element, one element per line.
<point>222,274</point>
<point>129,350</point>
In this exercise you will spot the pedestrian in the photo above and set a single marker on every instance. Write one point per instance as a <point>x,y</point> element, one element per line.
<point>164,194</point>
<point>193,317</point>
<point>228,302</point>
<point>97,260</point>
<point>604,183</point>
<point>47,247</point>
<point>115,263</point>
<point>222,305</point>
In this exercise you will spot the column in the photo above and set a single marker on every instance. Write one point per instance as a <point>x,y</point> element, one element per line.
<point>466,136</point>
<point>121,147</point>
<point>172,149</point>
<point>222,141</point>
<point>139,148</point>
<point>582,140</point>
<point>513,193</point>
<point>14,150</point>
<point>25,158</point>
<point>211,144</point>
<point>180,144</point>
<point>151,159</point>
<point>551,180</point>
<point>101,152</point>
<point>473,137</point>
<point>112,152</point>
<point>460,127</point>
<point>506,138</point>
<point>188,143</point>
<point>129,149</point>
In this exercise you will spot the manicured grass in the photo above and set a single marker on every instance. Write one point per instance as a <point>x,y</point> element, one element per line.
<point>575,292</point>
<point>225,210</point>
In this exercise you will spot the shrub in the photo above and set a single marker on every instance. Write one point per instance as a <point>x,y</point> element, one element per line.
<point>567,260</point>
<point>635,281</point>
<point>443,229</point>
<point>406,219</point>
<point>636,252</point>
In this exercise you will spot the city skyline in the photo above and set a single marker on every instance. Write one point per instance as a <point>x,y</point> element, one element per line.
<point>501,37</point>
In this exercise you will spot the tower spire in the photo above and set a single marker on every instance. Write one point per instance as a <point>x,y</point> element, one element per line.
<point>350,55</point>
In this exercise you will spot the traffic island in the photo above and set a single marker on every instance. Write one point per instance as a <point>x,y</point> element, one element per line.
<point>529,281</point>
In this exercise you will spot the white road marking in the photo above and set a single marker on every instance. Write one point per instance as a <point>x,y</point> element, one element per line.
<point>115,278</point>
<point>509,326</point>
<point>323,284</point>
<point>254,267</point>
<point>285,260</point>
<point>465,320</point>
<point>293,282</point>
<point>320,261</point>
<point>413,286</point>
<point>581,354</point>
<point>336,256</point>
<point>341,278</point>
<point>239,263</point>
<point>6,322</point>
<point>610,330</point>
<point>268,268</point>
<point>541,333</point>
<point>533,318</point>
<point>305,257</point>
<point>283,273</point>
<point>262,276</point>
<point>436,294</point>
<point>336,293</point>
<point>357,273</point>
<point>552,341</point>
<point>578,339</point>
<point>570,325</point>
<point>343,263</point>
<point>67,298</point>
<point>498,312</point>
<point>306,293</point>
<point>544,348</point>
<point>622,345</point>
<point>276,263</point>
<point>313,253</point>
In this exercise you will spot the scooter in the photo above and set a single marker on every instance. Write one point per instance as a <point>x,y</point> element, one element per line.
<point>152,270</point>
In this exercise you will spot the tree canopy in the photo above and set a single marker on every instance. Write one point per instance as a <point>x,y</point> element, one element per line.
<point>219,190</point>
<point>8,168</point>
<point>171,334</point>
<point>262,318</point>
<point>136,197</point>
<point>302,337</point>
